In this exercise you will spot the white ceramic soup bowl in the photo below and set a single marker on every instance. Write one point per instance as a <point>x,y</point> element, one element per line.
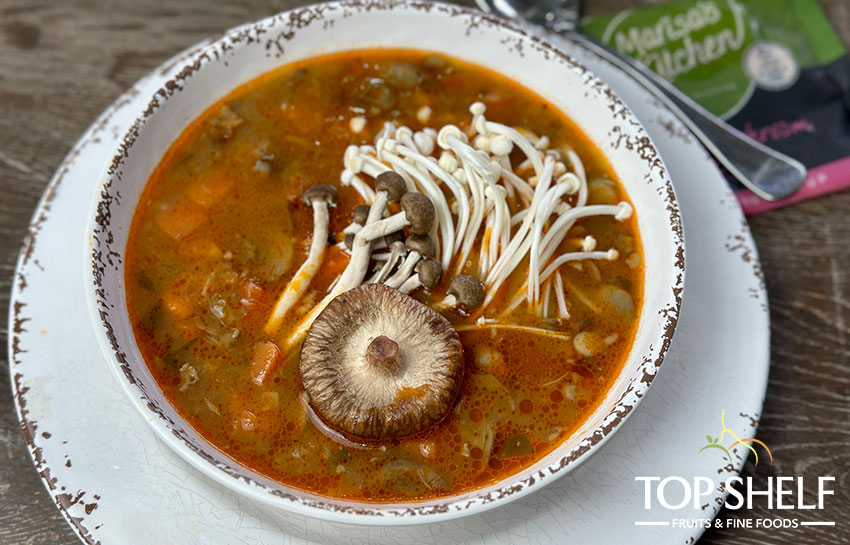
<point>205,74</point>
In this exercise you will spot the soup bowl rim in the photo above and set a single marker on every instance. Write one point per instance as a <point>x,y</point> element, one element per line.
<point>246,481</point>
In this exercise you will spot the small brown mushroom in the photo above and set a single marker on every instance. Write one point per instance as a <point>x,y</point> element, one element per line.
<point>359,214</point>
<point>467,290</point>
<point>392,183</point>
<point>321,193</point>
<point>379,365</point>
<point>430,272</point>
<point>361,248</point>
<point>348,241</point>
<point>419,211</point>
<point>422,244</point>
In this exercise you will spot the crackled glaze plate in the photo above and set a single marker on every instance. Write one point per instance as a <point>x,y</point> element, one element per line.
<point>116,483</point>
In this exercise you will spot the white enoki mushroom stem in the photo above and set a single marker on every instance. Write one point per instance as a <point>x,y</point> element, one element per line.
<point>520,243</point>
<point>553,239</point>
<point>513,327</point>
<point>559,296</point>
<point>500,228</point>
<point>476,217</point>
<point>550,200</point>
<point>610,255</point>
<point>443,217</point>
<point>484,250</point>
<point>547,290</point>
<point>562,225</point>
<point>298,285</point>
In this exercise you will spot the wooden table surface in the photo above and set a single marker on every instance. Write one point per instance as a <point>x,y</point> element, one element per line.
<point>62,63</point>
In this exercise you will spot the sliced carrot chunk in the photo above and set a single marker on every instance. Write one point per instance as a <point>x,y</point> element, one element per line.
<point>178,306</point>
<point>210,189</point>
<point>180,219</point>
<point>199,247</point>
<point>265,360</point>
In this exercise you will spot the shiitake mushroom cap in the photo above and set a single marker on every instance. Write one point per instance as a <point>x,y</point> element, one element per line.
<point>378,365</point>
<point>392,183</point>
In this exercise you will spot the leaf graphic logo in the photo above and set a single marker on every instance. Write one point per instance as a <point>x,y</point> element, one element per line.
<point>717,442</point>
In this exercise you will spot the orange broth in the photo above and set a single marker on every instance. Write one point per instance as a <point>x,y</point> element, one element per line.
<point>220,229</point>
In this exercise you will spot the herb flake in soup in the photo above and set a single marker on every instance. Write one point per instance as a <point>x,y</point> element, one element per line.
<point>253,221</point>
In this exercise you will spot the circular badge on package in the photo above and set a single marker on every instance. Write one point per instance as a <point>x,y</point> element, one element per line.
<point>771,66</point>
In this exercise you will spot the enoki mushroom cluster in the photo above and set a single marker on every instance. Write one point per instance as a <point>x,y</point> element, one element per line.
<point>500,186</point>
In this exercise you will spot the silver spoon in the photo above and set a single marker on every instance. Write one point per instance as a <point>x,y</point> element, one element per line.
<point>769,174</point>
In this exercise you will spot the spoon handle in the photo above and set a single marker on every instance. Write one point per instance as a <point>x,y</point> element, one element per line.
<point>769,174</point>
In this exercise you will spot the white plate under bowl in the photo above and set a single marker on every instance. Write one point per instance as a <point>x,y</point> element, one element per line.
<point>116,483</point>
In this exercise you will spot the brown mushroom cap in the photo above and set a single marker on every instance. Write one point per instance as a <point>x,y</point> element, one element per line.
<point>360,213</point>
<point>378,365</point>
<point>392,183</point>
<point>320,192</point>
<point>348,241</point>
<point>430,272</point>
<point>468,290</point>
<point>421,244</point>
<point>419,211</point>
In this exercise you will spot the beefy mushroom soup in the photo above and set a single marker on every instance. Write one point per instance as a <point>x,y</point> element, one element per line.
<point>384,275</point>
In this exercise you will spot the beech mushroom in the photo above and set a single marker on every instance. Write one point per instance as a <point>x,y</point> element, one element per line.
<point>319,197</point>
<point>418,246</point>
<point>429,272</point>
<point>392,184</point>
<point>404,270</point>
<point>468,291</point>
<point>417,213</point>
<point>465,291</point>
<point>421,244</point>
<point>397,254</point>
<point>359,214</point>
<point>378,365</point>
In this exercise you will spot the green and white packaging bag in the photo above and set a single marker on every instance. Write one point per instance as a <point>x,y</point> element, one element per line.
<point>774,69</point>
